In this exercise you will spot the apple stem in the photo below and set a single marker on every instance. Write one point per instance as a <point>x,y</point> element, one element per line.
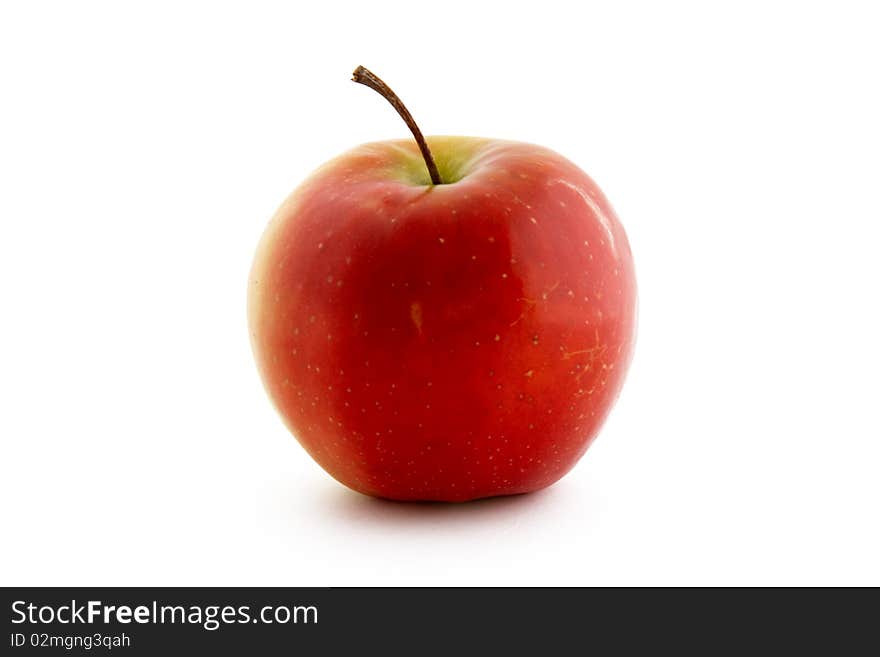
<point>366,77</point>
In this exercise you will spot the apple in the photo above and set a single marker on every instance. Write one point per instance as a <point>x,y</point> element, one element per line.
<point>445,319</point>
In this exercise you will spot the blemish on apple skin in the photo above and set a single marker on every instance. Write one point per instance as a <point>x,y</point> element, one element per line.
<point>529,304</point>
<point>529,374</point>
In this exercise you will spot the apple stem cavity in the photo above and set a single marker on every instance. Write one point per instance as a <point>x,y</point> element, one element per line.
<point>366,77</point>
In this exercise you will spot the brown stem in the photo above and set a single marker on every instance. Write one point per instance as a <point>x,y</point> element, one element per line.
<point>367,77</point>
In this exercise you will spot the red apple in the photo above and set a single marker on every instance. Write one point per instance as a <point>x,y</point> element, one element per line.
<point>444,341</point>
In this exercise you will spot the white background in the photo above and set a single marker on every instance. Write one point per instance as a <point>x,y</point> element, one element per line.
<point>143,147</point>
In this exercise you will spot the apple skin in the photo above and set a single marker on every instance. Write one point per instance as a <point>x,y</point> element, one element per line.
<point>445,342</point>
